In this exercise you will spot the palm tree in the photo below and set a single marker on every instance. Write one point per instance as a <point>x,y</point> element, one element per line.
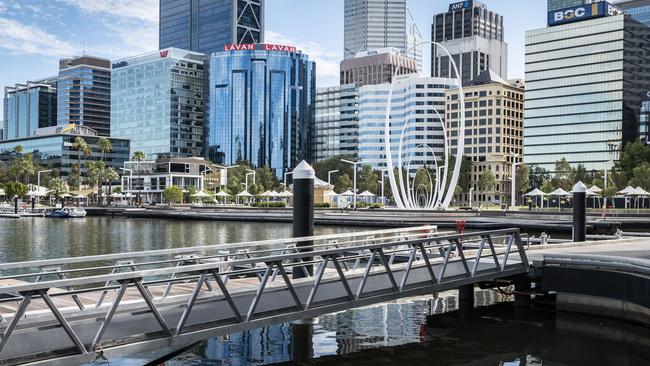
<point>105,146</point>
<point>82,147</point>
<point>18,149</point>
<point>138,156</point>
<point>110,175</point>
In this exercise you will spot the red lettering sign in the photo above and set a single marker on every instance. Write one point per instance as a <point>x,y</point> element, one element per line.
<point>239,47</point>
<point>261,47</point>
<point>163,54</point>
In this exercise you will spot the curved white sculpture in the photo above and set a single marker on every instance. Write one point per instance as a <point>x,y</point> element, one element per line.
<point>441,194</point>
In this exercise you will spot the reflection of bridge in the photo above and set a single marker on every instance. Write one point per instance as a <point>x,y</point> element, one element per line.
<point>68,310</point>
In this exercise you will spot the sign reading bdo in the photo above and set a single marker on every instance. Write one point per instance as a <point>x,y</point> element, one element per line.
<point>259,47</point>
<point>583,12</point>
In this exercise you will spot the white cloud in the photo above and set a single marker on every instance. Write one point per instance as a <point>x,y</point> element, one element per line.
<point>327,60</point>
<point>21,38</point>
<point>145,10</point>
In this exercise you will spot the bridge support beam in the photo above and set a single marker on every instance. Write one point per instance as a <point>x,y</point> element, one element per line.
<point>522,292</point>
<point>303,212</point>
<point>466,301</point>
<point>302,344</point>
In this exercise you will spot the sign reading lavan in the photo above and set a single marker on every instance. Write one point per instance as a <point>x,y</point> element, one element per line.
<point>582,12</point>
<point>259,47</point>
<point>461,5</point>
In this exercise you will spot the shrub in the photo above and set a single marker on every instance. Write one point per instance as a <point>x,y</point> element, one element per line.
<point>269,204</point>
<point>322,205</point>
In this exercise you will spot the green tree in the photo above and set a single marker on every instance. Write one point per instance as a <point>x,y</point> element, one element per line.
<point>18,149</point>
<point>522,176</point>
<point>465,176</point>
<point>536,177</point>
<point>547,187</point>
<point>105,147</point>
<point>57,187</point>
<point>343,183</point>
<point>486,181</point>
<point>633,155</point>
<point>641,176</point>
<point>266,179</point>
<point>95,171</point>
<point>188,195</point>
<point>82,148</point>
<point>580,174</point>
<point>323,167</point>
<point>110,175</point>
<point>13,189</point>
<point>73,178</point>
<point>563,175</point>
<point>173,194</point>
<point>368,180</point>
<point>138,157</point>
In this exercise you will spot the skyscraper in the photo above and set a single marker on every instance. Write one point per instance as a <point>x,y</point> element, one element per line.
<point>474,37</point>
<point>28,107</point>
<point>337,122</point>
<point>207,25</point>
<point>260,106</point>
<point>376,67</point>
<point>638,9</point>
<point>157,102</point>
<point>84,93</point>
<point>561,4</point>
<point>376,24</point>
<point>586,80</point>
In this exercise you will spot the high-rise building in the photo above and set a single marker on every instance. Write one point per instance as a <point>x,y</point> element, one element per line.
<point>376,67</point>
<point>494,126</point>
<point>374,24</point>
<point>562,4</point>
<point>53,148</point>
<point>157,102</point>
<point>415,101</point>
<point>473,35</point>
<point>205,26</point>
<point>337,122</point>
<point>29,106</point>
<point>84,93</point>
<point>586,79</point>
<point>638,9</point>
<point>260,106</point>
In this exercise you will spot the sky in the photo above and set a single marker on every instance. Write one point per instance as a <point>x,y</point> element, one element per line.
<point>34,34</point>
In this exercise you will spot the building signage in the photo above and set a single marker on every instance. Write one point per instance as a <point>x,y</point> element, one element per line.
<point>583,12</point>
<point>163,54</point>
<point>461,5</point>
<point>259,47</point>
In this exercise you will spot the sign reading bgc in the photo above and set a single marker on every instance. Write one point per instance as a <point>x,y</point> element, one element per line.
<point>583,12</point>
<point>259,47</point>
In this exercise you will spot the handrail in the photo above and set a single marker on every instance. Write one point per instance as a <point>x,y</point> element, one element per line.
<point>613,263</point>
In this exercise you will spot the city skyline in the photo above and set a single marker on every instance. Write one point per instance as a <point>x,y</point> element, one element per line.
<point>34,35</point>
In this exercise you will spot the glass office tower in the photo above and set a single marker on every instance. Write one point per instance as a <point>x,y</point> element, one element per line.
<point>337,122</point>
<point>207,25</point>
<point>585,83</point>
<point>157,102</point>
<point>27,107</point>
<point>638,9</point>
<point>261,107</point>
<point>84,93</point>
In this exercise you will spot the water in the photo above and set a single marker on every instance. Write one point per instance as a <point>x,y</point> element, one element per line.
<point>411,331</point>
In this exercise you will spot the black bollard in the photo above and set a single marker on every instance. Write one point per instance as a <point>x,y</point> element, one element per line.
<point>33,203</point>
<point>15,204</point>
<point>303,212</point>
<point>466,302</point>
<point>302,340</point>
<point>579,212</point>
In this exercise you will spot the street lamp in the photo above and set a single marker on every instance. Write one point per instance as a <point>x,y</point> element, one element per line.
<point>329,175</point>
<point>252,172</point>
<point>247,174</point>
<point>286,188</point>
<point>471,190</point>
<point>383,176</point>
<point>611,148</point>
<point>512,183</point>
<point>354,166</point>
<point>38,183</point>
<point>222,181</point>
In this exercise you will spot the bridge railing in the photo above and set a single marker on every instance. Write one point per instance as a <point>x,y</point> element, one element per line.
<point>407,262</point>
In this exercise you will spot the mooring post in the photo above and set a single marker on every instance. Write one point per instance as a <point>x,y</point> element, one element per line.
<point>302,340</point>
<point>33,203</point>
<point>15,204</point>
<point>579,212</point>
<point>303,212</point>
<point>466,301</point>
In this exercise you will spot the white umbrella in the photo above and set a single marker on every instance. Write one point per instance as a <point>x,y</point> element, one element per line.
<point>627,190</point>
<point>595,189</point>
<point>559,193</point>
<point>285,194</point>
<point>201,194</point>
<point>536,193</point>
<point>116,195</point>
<point>347,193</point>
<point>35,194</point>
<point>274,193</point>
<point>367,194</point>
<point>80,197</point>
<point>66,195</point>
<point>244,194</point>
<point>223,195</point>
<point>265,194</point>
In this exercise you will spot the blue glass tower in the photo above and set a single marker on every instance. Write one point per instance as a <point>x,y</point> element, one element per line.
<point>260,106</point>
<point>207,25</point>
<point>27,107</point>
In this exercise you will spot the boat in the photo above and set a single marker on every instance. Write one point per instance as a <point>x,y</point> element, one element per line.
<point>67,212</point>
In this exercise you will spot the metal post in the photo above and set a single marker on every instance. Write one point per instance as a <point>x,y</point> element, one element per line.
<point>303,211</point>
<point>513,198</point>
<point>466,301</point>
<point>329,176</point>
<point>15,204</point>
<point>302,345</point>
<point>579,212</point>
<point>33,203</point>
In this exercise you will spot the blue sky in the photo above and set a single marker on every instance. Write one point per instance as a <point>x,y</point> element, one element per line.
<point>34,34</point>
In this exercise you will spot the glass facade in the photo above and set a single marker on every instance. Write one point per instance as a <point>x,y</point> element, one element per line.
<point>260,108</point>
<point>373,24</point>
<point>413,118</point>
<point>205,26</point>
<point>337,122</point>
<point>157,102</point>
<point>53,149</point>
<point>638,9</point>
<point>84,93</point>
<point>474,37</point>
<point>561,4</point>
<point>585,83</point>
<point>27,107</point>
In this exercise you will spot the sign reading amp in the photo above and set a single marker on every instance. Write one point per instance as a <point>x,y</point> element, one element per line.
<point>584,12</point>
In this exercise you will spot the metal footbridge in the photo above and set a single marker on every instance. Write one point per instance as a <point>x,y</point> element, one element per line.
<point>74,310</point>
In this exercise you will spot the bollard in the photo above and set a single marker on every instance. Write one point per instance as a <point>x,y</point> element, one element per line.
<point>466,302</point>
<point>15,204</point>
<point>579,212</point>
<point>303,212</point>
<point>302,340</point>
<point>33,203</point>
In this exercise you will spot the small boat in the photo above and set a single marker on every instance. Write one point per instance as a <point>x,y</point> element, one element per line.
<point>67,212</point>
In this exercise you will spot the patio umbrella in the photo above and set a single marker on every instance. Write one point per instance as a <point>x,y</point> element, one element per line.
<point>243,194</point>
<point>347,193</point>
<point>116,195</point>
<point>201,194</point>
<point>536,193</point>
<point>595,189</point>
<point>559,193</point>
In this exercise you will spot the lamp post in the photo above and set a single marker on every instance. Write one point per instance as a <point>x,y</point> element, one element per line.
<point>329,176</point>
<point>224,182</point>
<point>354,184</point>
<point>286,187</point>
<point>130,178</point>
<point>471,190</point>
<point>38,182</point>
<point>252,172</point>
<point>611,148</point>
<point>513,169</point>
<point>247,174</point>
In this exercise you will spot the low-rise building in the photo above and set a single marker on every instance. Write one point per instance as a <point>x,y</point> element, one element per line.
<point>374,67</point>
<point>150,178</point>
<point>53,147</point>
<point>494,121</point>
